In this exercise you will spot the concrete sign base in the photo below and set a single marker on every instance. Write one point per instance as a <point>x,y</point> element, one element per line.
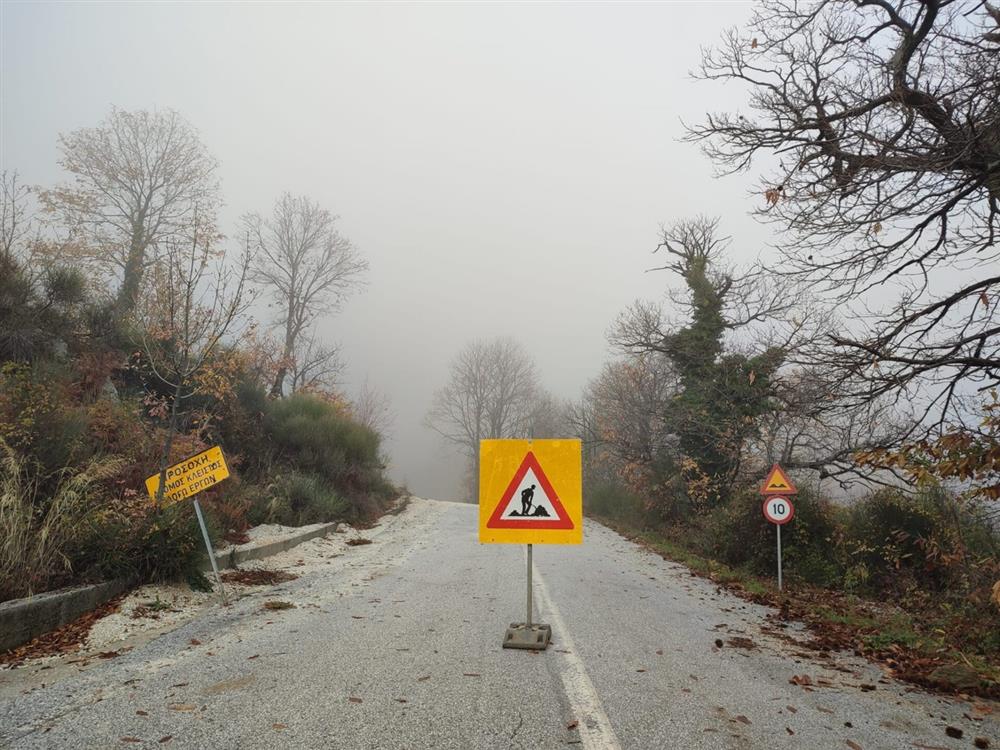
<point>522,635</point>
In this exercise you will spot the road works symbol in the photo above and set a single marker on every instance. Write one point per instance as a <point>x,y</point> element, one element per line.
<point>530,502</point>
<point>530,492</point>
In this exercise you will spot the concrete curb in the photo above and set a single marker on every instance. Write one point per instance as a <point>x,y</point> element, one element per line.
<point>24,619</point>
<point>246,552</point>
<point>21,620</point>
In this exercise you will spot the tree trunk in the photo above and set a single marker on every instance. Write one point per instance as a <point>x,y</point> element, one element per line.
<point>168,443</point>
<point>278,388</point>
<point>128,294</point>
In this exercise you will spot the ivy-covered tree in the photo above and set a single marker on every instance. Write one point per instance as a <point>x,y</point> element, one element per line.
<point>723,393</point>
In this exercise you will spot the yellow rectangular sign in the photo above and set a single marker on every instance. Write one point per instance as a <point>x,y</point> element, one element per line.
<point>191,476</point>
<point>530,492</point>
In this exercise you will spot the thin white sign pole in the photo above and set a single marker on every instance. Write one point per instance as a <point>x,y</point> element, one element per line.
<point>211,552</point>
<point>778,525</point>
<point>529,585</point>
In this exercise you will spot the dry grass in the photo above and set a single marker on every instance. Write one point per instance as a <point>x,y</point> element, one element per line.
<point>37,532</point>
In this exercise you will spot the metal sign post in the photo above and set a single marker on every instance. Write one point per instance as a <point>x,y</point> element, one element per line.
<point>530,492</point>
<point>211,552</point>
<point>779,510</point>
<point>778,527</point>
<point>528,634</point>
<point>528,621</point>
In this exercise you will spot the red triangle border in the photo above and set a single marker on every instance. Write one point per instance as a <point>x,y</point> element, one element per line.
<point>562,522</point>
<point>777,471</point>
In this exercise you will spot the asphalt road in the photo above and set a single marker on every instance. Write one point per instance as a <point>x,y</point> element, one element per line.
<point>397,645</point>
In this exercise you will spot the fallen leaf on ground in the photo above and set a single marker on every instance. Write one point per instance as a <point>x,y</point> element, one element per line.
<point>853,745</point>
<point>166,739</point>
<point>182,707</point>
<point>258,577</point>
<point>278,605</point>
<point>471,674</point>
<point>358,541</point>
<point>953,732</point>
<point>130,739</point>
<point>277,725</point>
<point>981,742</point>
<point>743,719</point>
<point>61,640</point>
<point>352,699</point>
<point>140,712</point>
<point>194,642</point>
<point>573,725</point>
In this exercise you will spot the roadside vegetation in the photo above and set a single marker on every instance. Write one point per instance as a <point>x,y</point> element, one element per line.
<point>865,359</point>
<point>127,342</point>
<point>886,554</point>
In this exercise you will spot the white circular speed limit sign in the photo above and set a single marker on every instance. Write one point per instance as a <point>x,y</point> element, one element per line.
<point>778,509</point>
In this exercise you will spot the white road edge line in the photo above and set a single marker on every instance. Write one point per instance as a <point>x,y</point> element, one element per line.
<point>594,727</point>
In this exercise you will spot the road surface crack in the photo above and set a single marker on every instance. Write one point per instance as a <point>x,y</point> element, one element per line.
<point>520,723</point>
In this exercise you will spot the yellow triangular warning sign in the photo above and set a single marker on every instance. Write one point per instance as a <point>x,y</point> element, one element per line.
<point>778,483</point>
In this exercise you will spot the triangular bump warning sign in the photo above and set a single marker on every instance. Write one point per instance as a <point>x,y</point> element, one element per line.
<point>778,483</point>
<point>529,502</point>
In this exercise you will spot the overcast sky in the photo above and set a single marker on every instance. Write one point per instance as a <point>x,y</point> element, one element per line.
<point>504,167</point>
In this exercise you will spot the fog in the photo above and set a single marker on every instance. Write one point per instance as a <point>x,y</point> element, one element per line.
<point>503,168</point>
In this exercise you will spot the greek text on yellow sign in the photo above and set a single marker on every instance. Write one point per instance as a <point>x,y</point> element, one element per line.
<point>530,492</point>
<point>191,476</point>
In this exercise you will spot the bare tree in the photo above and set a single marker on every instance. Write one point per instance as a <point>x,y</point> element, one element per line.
<point>306,265</point>
<point>16,220</point>
<point>138,181</point>
<point>817,428</point>
<point>313,365</point>
<point>373,409</point>
<point>197,303</point>
<point>884,119</point>
<point>491,393</point>
<point>629,403</point>
<point>549,417</point>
